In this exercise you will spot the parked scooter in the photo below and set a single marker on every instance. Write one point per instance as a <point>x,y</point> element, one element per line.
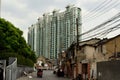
<point>39,73</point>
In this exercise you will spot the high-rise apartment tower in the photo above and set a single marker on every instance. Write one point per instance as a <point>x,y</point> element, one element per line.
<point>55,32</point>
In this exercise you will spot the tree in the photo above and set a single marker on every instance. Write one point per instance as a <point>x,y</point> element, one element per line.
<point>11,40</point>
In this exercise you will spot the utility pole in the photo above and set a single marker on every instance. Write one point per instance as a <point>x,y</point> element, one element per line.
<point>77,34</point>
<point>77,47</point>
<point>115,51</point>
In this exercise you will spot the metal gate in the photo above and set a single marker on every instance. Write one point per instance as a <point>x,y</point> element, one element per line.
<point>11,70</point>
<point>108,70</point>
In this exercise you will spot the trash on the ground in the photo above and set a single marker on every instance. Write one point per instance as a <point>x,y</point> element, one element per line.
<point>30,76</point>
<point>25,73</point>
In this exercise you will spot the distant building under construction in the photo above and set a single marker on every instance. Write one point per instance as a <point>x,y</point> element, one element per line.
<point>54,32</point>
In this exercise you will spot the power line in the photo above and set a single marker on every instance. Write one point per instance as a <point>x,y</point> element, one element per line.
<point>99,26</point>
<point>102,10</point>
<point>96,16</point>
<point>103,29</point>
<point>107,25</point>
<point>105,32</point>
<point>104,3</point>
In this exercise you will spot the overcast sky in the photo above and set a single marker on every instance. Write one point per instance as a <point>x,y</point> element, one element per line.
<point>24,13</point>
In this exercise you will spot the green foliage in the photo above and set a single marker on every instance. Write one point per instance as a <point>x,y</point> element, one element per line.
<point>9,36</point>
<point>11,40</point>
<point>24,61</point>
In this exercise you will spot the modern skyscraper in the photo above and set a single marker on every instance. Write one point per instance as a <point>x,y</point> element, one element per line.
<point>55,32</point>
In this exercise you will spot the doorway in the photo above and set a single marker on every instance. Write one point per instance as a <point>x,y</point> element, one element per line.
<point>85,71</point>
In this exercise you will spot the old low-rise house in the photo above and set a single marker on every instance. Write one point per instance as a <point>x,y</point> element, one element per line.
<point>80,57</point>
<point>66,61</point>
<point>110,48</point>
<point>88,63</point>
<point>107,50</point>
<point>103,50</point>
<point>83,60</point>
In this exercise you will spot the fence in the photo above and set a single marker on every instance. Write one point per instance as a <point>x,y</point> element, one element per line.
<point>11,70</point>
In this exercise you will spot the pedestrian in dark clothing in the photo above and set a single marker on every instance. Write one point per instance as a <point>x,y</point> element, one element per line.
<point>79,77</point>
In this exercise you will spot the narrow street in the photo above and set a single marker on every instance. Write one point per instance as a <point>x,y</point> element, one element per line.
<point>47,75</point>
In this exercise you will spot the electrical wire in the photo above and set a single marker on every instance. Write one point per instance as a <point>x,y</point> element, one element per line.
<point>100,14</point>
<point>104,3</point>
<point>107,26</point>
<point>103,28</point>
<point>104,31</point>
<point>99,26</point>
<point>116,27</point>
<point>101,11</point>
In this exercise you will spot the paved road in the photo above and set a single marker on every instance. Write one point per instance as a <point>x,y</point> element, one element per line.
<point>47,75</point>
